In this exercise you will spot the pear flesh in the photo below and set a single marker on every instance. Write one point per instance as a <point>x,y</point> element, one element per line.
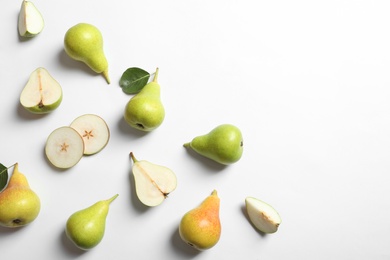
<point>84,42</point>
<point>30,20</point>
<point>223,144</point>
<point>145,111</point>
<point>19,204</point>
<point>153,182</point>
<point>64,147</point>
<point>42,93</point>
<point>201,227</point>
<point>94,130</point>
<point>262,215</point>
<point>86,227</point>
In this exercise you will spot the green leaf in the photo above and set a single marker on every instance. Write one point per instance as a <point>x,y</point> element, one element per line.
<point>3,176</point>
<point>133,80</point>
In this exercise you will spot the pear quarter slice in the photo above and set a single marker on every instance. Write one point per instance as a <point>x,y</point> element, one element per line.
<point>30,20</point>
<point>94,131</point>
<point>42,93</point>
<point>262,215</point>
<point>64,147</point>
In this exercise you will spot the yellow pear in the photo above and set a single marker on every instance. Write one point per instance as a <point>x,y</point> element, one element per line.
<point>19,205</point>
<point>201,226</point>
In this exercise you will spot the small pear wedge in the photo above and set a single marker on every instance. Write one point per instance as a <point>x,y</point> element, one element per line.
<point>223,144</point>
<point>42,93</point>
<point>19,204</point>
<point>145,111</point>
<point>153,182</point>
<point>262,215</point>
<point>30,21</point>
<point>86,227</point>
<point>84,42</point>
<point>201,226</point>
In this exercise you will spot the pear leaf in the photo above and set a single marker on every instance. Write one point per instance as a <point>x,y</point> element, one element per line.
<point>133,80</point>
<point>3,176</point>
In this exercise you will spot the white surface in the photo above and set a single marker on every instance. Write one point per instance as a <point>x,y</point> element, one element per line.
<point>306,81</point>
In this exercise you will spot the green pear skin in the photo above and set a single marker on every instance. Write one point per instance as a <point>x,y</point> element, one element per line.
<point>84,42</point>
<point>86,227</point>
<point>223,144</point>
<point>145,111</point>
<point>19,204</point>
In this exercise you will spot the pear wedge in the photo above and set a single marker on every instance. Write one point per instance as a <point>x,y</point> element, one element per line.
<point>64,147</point>
<point>94,130</point>
<point>30,21</point>
<point>42,93</point>
<point>262,215</point>
<point>153,182</point>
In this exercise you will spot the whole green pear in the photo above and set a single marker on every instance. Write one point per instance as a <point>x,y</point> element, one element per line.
<point>145,111</point>
<point>86,227</point>
<point>19,205</point>
<point>223,144</point>
<point>84,42</point>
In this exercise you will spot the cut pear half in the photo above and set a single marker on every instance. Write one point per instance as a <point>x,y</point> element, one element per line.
<point>262,215</point>
<point>94,130</point>
<point>64,147</point>
<point>42,93</point>
<point>153,182</point>
<point>30,20</point>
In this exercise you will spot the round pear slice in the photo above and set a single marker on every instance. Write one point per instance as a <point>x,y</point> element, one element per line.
<point>262,215</point>
<point>64,147</point>
<point>94,131</point>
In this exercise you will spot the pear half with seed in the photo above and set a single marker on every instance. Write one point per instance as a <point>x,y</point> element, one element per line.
<point>42,93</point>
<point>94,130</point>
<point>30,20</point>
<point>153,182</point>
<point>64,147</point>
<point>262,215</point>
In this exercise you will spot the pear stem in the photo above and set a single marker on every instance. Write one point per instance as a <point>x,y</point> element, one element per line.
<point>186,145</point>
<point>112,198</point>
<point>155,75</point>
<point>13,165</point>
<point>106,76</point>
<point>133,157</point>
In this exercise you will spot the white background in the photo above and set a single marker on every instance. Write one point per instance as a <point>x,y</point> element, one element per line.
<point>307,82</point>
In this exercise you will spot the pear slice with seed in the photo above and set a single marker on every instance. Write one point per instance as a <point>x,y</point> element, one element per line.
<point>262,215</point>
<point>153,182</point>
<point>94,130</point>
<point>64,147</point>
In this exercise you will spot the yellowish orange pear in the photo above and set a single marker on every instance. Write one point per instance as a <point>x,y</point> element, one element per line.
<point>201,226</point>
<point>19,204</point>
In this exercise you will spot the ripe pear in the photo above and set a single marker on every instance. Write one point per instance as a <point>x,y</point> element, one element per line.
<point>153,182</point>
<point>145,111</point>
<point>201,226</point>
<point>42,93</point>
<point>84,42</point>
<point>30,20</point>
<point>19,204</point>
<point>223,144</point>
<point>86,227</point>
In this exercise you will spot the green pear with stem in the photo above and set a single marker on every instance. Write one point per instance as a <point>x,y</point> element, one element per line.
<point>86,227</point>
<point>84,42</point>
<point>201,226</point>
<point>19,204</point>
<point>223,144</point>
<point>145,111</point>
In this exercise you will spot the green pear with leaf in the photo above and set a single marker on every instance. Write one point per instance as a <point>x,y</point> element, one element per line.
<point>223,144</point>
<point>19,204</point>
<point>145,111</point>
<point>84,42</point>
<point>86,227</point>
